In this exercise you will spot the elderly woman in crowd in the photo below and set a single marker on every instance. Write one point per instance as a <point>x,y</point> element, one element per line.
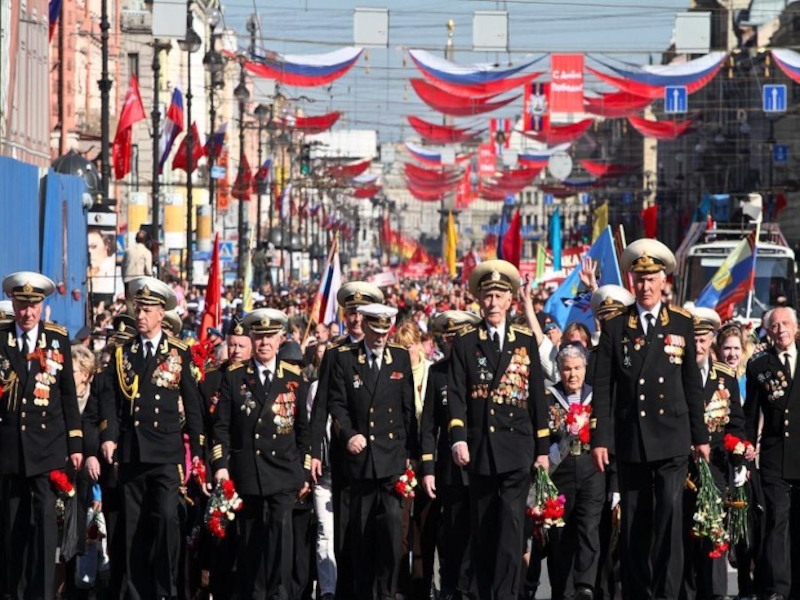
<point>574,549</point>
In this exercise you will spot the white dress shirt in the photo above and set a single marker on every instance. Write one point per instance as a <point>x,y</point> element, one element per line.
<point>643,311</point>
<point>501,332</point>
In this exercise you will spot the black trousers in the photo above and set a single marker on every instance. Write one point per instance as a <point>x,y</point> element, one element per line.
<point>454,539</point>
<point>497,506</point>
<point>575,548</point>
<point>651,537</point>
<point>375,517</point>
<point>152,530</point>
<point>342,534</point>
<point>266,546</point>
<point>776,563</point>
<point>30,537</point>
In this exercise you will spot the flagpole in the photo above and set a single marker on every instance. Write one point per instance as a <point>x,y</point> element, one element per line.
<point>753,269</point>
<point>156,116</point>
<point>317,301</point>
<point>105,107</point>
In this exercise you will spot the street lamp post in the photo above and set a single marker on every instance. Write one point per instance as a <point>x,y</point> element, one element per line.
<point>190,45</point>
<point>262,112</point>
<point>242,95</point>
<point>158,46</point>
<point>104,84</point>
<point>215,66</point>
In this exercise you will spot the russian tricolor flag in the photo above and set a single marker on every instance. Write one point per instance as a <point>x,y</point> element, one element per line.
<point>173,125</point>
<point>219,141</point>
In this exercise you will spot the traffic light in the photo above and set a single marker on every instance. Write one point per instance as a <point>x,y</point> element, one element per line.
<point>305,159</point>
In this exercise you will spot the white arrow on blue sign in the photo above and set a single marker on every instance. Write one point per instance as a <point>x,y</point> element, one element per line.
<point>774,98</point>
<point>676,99</point>
<point>780,153</point>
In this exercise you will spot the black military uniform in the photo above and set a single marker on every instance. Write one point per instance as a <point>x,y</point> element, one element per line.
<point>452,492</point>
<point>40,426</point>
<point>142,417</point>
<point>655,417</point>
<point>350,296</point>
<point>773,393</point>
<point>262,434</point>
<point>497,406</point>
<point>574,549</point>
<point>380,406</point>
<point>705,577</point>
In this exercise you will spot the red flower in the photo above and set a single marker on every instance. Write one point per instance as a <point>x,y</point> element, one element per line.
<point>228,489</point>
<point>731,441</point>
<point>2,391</point>
<point>61,483</point>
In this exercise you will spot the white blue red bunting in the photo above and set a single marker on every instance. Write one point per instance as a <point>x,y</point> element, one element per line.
<point>304,70</point>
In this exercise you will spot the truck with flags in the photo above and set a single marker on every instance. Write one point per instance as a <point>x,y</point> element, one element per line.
<point>740,270</point>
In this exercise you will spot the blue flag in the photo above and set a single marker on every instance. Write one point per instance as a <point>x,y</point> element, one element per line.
<point>555,238</point>
<point>570,303</point>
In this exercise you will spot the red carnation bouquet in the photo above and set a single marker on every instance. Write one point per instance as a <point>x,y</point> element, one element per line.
<point>404,487</point>
<point>222,508</point>
<point>199,472</point>
<point>709,514</point>
<point>740,451</point>
<point>548,508</point>
<point>61,484</point>
<point>203,358</point>
<point>578,419</point>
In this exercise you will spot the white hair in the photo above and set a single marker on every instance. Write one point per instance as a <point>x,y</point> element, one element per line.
<point>570,351</point>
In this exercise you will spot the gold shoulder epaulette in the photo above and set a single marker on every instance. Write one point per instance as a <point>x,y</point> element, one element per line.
<point>236,365</point>
<point>680,311</point>
<point>176,342</point>
<point>398,346</point>
<point>724,368</point>
<point>616,315</point>
<point>6,324</point>
<point>333,346</point>
<point>290,367</point>
<point>345,347</point>
<point>522,329</point>
<point>56,327</point>
<point>466,330</point>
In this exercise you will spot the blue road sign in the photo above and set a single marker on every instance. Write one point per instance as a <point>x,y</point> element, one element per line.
<point>676,99</point>
<point>780,153</point>
<point>774,98</point>
<point>121,244</point>
<point>227,252</point>
<point>549,199</point>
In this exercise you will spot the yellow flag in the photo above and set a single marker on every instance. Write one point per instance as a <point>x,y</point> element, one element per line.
<point>600,221</point>
<point>452,244</point>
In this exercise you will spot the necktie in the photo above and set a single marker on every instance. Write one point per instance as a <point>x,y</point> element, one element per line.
<point>148,352</point>
<point>651,325</point>
<point>496,341</point>
<point>787,363</point>
<point>266,377</point>
<point>23,348</point>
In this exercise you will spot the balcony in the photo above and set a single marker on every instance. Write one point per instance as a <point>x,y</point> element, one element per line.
<point>136,21</point>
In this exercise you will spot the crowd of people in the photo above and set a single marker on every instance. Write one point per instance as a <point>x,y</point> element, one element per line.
<point>392,455</point>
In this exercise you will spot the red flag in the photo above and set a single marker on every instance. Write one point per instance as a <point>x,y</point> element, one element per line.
<point>471,261</point>
<point>132,112</point>
<point>243,186</point>
<point>212,314</point>
<point>649,219</point>
<point>181,160</point>
<point>512,241</point>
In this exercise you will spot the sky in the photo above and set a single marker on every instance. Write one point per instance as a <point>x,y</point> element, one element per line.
<point>375,94</point>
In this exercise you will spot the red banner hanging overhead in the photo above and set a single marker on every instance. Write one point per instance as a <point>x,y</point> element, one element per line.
<point>487,160</point>
<point>566,85</point>
<point>537,107</point>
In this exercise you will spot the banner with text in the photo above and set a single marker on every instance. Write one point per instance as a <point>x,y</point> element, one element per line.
<point>566,85</point>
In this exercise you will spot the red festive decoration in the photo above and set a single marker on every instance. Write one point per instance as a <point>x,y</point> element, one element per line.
<point>404,487</point>
<point>61,484</point>
<point>578,419</point>
<point>199,471</point>
<point>222,508</point>
<point>455,106</point>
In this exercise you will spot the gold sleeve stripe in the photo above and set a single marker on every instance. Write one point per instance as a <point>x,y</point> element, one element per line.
<point>216,452</point>
<point>202,439</point>
<point>75,433</point>
<point>593,424</point>
<point>427,457</point>
<point>103,425</point>
<point>455,423</point>
<point>543,433</point>
<point>307,462</point>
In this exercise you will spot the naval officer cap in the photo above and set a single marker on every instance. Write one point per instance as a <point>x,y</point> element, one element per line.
<point>172,322</point>
<point>28,286</point>
<point>494,275</point>
<point>706,320</point>
<point>237,326</point>
<point>150,291</point>
<point>647,255</point>
<point>123,326</point>
<point>6,309</point>
<point>451,322</point>
<point>610,299</point>
<point>378,317</point>
<point>358,293</point>
<point>265,321</point>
